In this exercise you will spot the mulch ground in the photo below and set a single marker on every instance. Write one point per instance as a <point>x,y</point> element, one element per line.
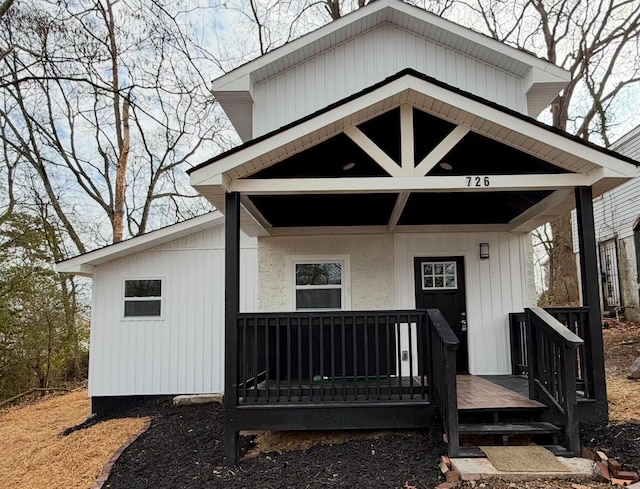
<point>183,448</point>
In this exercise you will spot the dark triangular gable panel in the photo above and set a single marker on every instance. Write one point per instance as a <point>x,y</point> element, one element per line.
<point>384,130</point>
<point>428,132</point>
<point>479,155</point>
<point>326,160</point>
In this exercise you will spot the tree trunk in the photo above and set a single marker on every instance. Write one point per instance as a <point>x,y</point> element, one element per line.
<point>121,181</point>
<point>563,281</point>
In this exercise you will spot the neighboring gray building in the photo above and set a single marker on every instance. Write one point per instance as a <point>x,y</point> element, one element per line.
<point>617,225</point>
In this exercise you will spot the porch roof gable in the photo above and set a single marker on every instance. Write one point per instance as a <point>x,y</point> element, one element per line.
<point>586,163</point>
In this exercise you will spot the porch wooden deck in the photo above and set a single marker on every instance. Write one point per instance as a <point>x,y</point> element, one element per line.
<point>477,393</point>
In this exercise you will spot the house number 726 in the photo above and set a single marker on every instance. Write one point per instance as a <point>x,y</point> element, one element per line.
<point>478,182</point>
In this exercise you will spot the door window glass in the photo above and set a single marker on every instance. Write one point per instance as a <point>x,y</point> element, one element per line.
<point>439,275</point>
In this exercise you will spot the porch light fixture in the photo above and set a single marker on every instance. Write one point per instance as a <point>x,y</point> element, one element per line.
<point>484,251</point>
<point>348,166</point>
<point>446,166</point>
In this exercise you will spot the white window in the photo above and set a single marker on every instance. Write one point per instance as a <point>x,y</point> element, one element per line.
<point>439,275</point>
<point>319,285</point>
<point>143,298</point>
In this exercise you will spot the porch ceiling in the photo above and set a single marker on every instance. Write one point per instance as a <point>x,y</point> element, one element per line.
<point>408,155</point>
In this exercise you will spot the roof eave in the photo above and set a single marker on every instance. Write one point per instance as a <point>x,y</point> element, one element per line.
<point>85,264</point>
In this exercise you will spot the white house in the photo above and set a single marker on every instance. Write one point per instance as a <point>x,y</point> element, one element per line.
<point>157,311</point>
<point>390,173</point>
<point>617,226</point>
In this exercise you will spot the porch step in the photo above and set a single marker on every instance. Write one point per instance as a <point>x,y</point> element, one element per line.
<point>528,428</point>
<point>476,452</point>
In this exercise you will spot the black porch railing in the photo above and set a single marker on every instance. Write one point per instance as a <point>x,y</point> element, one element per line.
<point>337,356</point>
<point>444,391</point>
<point>576,320</point>
<point>552,359</point>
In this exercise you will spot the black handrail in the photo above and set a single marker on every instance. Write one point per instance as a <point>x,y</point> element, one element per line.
<point>552,359</point>
<point>444,344</point>
<point>576,319</point>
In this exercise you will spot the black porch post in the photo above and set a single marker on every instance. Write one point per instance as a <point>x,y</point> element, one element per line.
<point>232,308</point>
<point>591,298</point>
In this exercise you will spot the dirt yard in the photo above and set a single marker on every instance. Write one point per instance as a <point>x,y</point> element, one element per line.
<point>34,455</point>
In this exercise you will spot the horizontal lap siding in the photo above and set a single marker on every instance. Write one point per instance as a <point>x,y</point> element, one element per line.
<point>183,351</point>
<point>616,212</point>
<point>367,59</point>
<point>494,287</point>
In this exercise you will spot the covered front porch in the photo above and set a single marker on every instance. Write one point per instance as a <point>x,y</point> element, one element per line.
<point>421,197</point>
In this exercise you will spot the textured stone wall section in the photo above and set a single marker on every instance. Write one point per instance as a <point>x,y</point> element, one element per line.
<point>371,268</point>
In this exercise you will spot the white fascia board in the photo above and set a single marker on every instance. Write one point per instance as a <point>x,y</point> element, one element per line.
<point>351,185</point>
<point>84,264</point>
<point>209,175</point>
<point>82,270</point>
<point>483,41</point>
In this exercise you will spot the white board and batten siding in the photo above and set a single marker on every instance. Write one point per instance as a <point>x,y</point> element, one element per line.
<point>615,212</point>
<point>367,59</point>
<point>183,351</point>
<point>495,287</point>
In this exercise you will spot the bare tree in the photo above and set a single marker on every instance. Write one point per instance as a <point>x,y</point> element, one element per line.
<point>597,42</point>
<point>104,104</point>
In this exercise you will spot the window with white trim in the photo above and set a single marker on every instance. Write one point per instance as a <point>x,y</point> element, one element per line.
<point>441,275</point>
<point>319,285</point>
<point>143,298</point>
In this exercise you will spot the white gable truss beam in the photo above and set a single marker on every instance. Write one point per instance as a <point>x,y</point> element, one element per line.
<point>441,150</point>
<point>373,150</point>
<point>466,183</point>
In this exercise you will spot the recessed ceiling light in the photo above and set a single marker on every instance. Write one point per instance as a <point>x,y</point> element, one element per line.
<point>348,166</point>
<point>446,166</point>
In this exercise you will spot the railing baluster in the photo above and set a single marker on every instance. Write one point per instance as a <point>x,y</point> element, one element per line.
<point>398,329</point>
<point>388,348</point>
<point>278,360</point>
<point>354,339</point>
<point>410,359</point>
<point>267,377</point>
<point>365,334</point>
<point>321,355</point>
<point>311,375</point>
<point>244,371</point>
<point>299,359</point>
<point>289,359</point>
<point>333,359</point>
<point>344,360</point>
<point>254,354</point>
<point>376,336</point>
